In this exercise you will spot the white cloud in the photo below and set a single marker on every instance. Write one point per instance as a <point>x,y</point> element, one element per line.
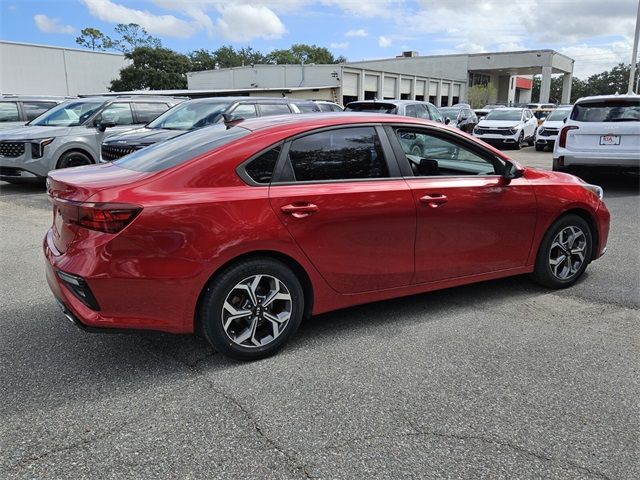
<point>167,25</point>
<point>591,59</point>
<point>360,8</point>
<point>384,42</point>
<point>241,23</point>
<point>361,32</point>
<point>340,45</point>
<point>51,25</point>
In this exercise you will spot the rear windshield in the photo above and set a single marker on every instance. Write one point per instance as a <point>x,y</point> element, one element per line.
<point>371,107</point>
<point>177,150</point>
<point>559,115</point>
<point>614,110</point>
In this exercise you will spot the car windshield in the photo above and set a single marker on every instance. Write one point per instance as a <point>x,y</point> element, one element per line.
<point>504,115</point>
<point>371,107</point>
<point>188,116</point>
<point>69,114</point>
<point>450,114</point>
<point>184,147</point>
<point>559,115</point>
<point>614,110</point>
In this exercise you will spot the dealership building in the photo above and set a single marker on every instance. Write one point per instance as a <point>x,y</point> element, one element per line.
<point>441,79</point>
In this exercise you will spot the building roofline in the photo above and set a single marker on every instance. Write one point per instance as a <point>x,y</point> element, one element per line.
<point>55,47</point>
<point>543,50</point>
<point>271,65</point>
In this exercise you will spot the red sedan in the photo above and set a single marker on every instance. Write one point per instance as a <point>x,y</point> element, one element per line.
<point>242,231</point>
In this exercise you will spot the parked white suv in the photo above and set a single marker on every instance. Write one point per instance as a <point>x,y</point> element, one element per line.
<point>547,133</point>
<point>508,127</point>
<point>601,131</point>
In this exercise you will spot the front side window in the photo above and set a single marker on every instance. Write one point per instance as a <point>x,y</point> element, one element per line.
<point>148,112</point>
<point>245,110</point>
<point>435,114</point>
<point>274,109</point>
<point>339,154</point>
<point>430,155</point>
<point>118,113</point>
<point>9,112</point>
<point>261,168</point>
<point>35,109</point>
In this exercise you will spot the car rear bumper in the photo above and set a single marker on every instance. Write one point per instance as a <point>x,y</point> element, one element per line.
<point>624,160</point>
<point>91,319</point>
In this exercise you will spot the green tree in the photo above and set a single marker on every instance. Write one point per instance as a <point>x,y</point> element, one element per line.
<point>481,95</point>
<point>133,36</point>
<point>94,39</point>
<point>153,69</point>
<point>202,60</point>
<point>302,53</point>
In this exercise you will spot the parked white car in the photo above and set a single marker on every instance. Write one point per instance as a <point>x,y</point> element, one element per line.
<point>547,133</point>
<point>601,132</point>
<point>508,127</point>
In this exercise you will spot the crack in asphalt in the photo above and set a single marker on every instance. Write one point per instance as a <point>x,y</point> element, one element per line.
<point>418,432</point>
<point>194,368</point>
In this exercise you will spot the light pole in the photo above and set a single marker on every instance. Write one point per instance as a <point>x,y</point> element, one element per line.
<point>634,55</point>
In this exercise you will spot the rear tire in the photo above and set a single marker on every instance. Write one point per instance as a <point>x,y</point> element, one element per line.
<point>539,148</point>
<point>251,309</point>
<point>557,168</point>
<point>74,159</point>
<point>564,253</point>
<point>531,141</point>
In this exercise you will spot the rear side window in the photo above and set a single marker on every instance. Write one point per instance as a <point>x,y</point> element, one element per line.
<point>180,149</point>
<point>614,110</point>
<point>339,154</point>
<point>307,107</point>
<point>274,109</point>
<point>411,111</point>
<point>260,169</point>
<point>35,109</point>
<point>9,112</point>
<point>147,112</point>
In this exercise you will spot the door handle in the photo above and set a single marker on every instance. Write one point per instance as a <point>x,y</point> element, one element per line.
<point>299,210</point>
<point>434,200</point>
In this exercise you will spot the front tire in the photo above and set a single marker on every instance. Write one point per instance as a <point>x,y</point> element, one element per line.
<point>74,159</point>
<point>539,148</point>
<point>519,142</point>
<point>564,253</point>
<point>251,309</point>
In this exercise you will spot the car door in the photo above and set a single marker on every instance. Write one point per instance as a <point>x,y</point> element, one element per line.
<point>531,123</point>
<point>344,202</point>
<point>469,220</point>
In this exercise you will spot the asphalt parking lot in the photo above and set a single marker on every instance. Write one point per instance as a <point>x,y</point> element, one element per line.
<point>496,380</point>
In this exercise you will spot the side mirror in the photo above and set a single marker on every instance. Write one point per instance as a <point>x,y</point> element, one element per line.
<point>447,121</point>
<point>104,124</point>
<point>511,172</point>
<point>564,120</point>
<point>428,167</point>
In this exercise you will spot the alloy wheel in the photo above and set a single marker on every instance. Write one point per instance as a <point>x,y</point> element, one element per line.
<point>256,311</point>
<point>568,252</point>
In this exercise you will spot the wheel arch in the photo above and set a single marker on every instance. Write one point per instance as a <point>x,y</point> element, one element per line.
<point>75,149</point>
<point>294,265</point>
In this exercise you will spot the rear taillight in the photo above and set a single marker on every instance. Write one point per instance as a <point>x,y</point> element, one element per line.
<point>103,217</point>
<point>563,134</point>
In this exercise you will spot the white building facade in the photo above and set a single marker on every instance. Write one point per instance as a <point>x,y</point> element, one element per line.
<point>29,69</point>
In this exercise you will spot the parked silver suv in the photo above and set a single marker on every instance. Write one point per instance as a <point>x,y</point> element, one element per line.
<point>70,134</point>
<point>16,110</point>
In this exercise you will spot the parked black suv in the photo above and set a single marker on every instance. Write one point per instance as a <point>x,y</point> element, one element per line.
<point>198,113</point>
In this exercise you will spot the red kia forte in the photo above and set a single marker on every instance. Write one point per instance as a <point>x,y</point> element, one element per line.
<point>242,231</point>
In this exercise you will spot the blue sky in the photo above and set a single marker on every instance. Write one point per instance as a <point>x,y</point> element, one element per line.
<point>597,34</point>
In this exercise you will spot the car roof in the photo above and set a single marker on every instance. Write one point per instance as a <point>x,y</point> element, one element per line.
<point>247,99</point>
<point>393,102</point>
<point>325,119</point>
<point>52,98</point>
<point>510,108</point>
<point>631,96</point>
